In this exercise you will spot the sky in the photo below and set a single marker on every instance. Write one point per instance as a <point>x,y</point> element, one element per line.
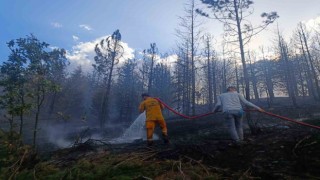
<point>77,25</point>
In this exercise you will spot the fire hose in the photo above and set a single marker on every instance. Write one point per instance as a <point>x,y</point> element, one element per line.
<point>264,112</point>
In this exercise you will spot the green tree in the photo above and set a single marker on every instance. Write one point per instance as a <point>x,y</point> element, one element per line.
<point>57,75</point>
<point>13,82</point>
<point>27,72</point>
<point>39,68</point>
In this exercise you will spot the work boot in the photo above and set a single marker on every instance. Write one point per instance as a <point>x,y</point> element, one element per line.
<point>165,139</point>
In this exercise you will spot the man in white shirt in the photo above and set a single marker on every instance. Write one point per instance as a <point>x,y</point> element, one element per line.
<point>233,112</point>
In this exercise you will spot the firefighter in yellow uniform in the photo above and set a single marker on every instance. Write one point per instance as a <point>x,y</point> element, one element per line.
<point>153,116</point>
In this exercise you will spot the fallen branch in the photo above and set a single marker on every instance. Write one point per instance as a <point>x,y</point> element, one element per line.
<point>247,175</point>
<point>34,174</point>
<point>127,159</point>
<point>17,168</point>
<point>180,170</point>
<point>297,145</point>
<point>310,144</point>
<point>206,170</point>
<point>148,157</point>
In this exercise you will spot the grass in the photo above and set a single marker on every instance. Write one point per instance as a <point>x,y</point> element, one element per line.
<point>108,169</point>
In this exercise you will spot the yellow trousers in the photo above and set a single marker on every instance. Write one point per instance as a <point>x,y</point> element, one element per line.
<point>151,124</point>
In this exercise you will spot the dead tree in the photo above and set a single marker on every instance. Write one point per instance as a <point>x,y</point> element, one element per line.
<point>108,53</point>
<point>306,52</point>
<point>232,14</point>
<point>284,57</point>
<point>189,34</point>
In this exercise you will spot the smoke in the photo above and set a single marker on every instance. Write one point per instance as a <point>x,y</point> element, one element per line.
<point>312,24</point>
<point>64,135</point>
<point>68,134</point>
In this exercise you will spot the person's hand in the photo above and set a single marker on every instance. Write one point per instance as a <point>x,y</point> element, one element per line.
<point>261,110</point>
<point>216,110</point>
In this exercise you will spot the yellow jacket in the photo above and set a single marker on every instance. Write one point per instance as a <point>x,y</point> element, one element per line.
<point>153,109</point>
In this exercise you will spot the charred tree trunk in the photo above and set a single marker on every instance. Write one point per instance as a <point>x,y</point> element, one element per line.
<point>254,80</point>
<point>40,98</point>
<point>252,124</point>
<point>214,82</point>
<point>193,73</point>
<point>287,70</point>
<point>237,75</point>
<point>152,51</point>
<point>309,78</point>
<point>209,74</point>
<point>314,74</point>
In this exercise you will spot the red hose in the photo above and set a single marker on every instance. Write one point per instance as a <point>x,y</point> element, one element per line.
<point>182,115</point>
<point>291,120</point>
<point>267,113</point>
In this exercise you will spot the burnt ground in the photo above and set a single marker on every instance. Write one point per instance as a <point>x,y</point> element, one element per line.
<point>280,152</point>
<point>199,149</point>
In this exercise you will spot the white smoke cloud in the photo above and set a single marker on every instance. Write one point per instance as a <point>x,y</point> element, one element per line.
<point>172,58</point>
<point>312,24</point>
<point>86,27</point>
<point>83,54</point>
<point>75,38</point>
<point>56,25</point>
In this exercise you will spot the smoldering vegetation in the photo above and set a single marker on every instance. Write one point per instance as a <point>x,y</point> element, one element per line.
<point>48,106</point>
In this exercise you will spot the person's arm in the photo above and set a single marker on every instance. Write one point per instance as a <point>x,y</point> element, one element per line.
<point>218,104</point>
<point>249,103</point>
<point>141,107</point>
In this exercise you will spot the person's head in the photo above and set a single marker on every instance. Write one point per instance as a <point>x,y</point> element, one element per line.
<point>145,95</point>
<point>231,89</point>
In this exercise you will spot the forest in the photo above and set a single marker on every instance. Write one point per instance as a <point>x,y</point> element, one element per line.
<point>56,123</point>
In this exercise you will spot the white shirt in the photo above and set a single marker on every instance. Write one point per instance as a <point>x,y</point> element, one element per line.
<point>232,101</point>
